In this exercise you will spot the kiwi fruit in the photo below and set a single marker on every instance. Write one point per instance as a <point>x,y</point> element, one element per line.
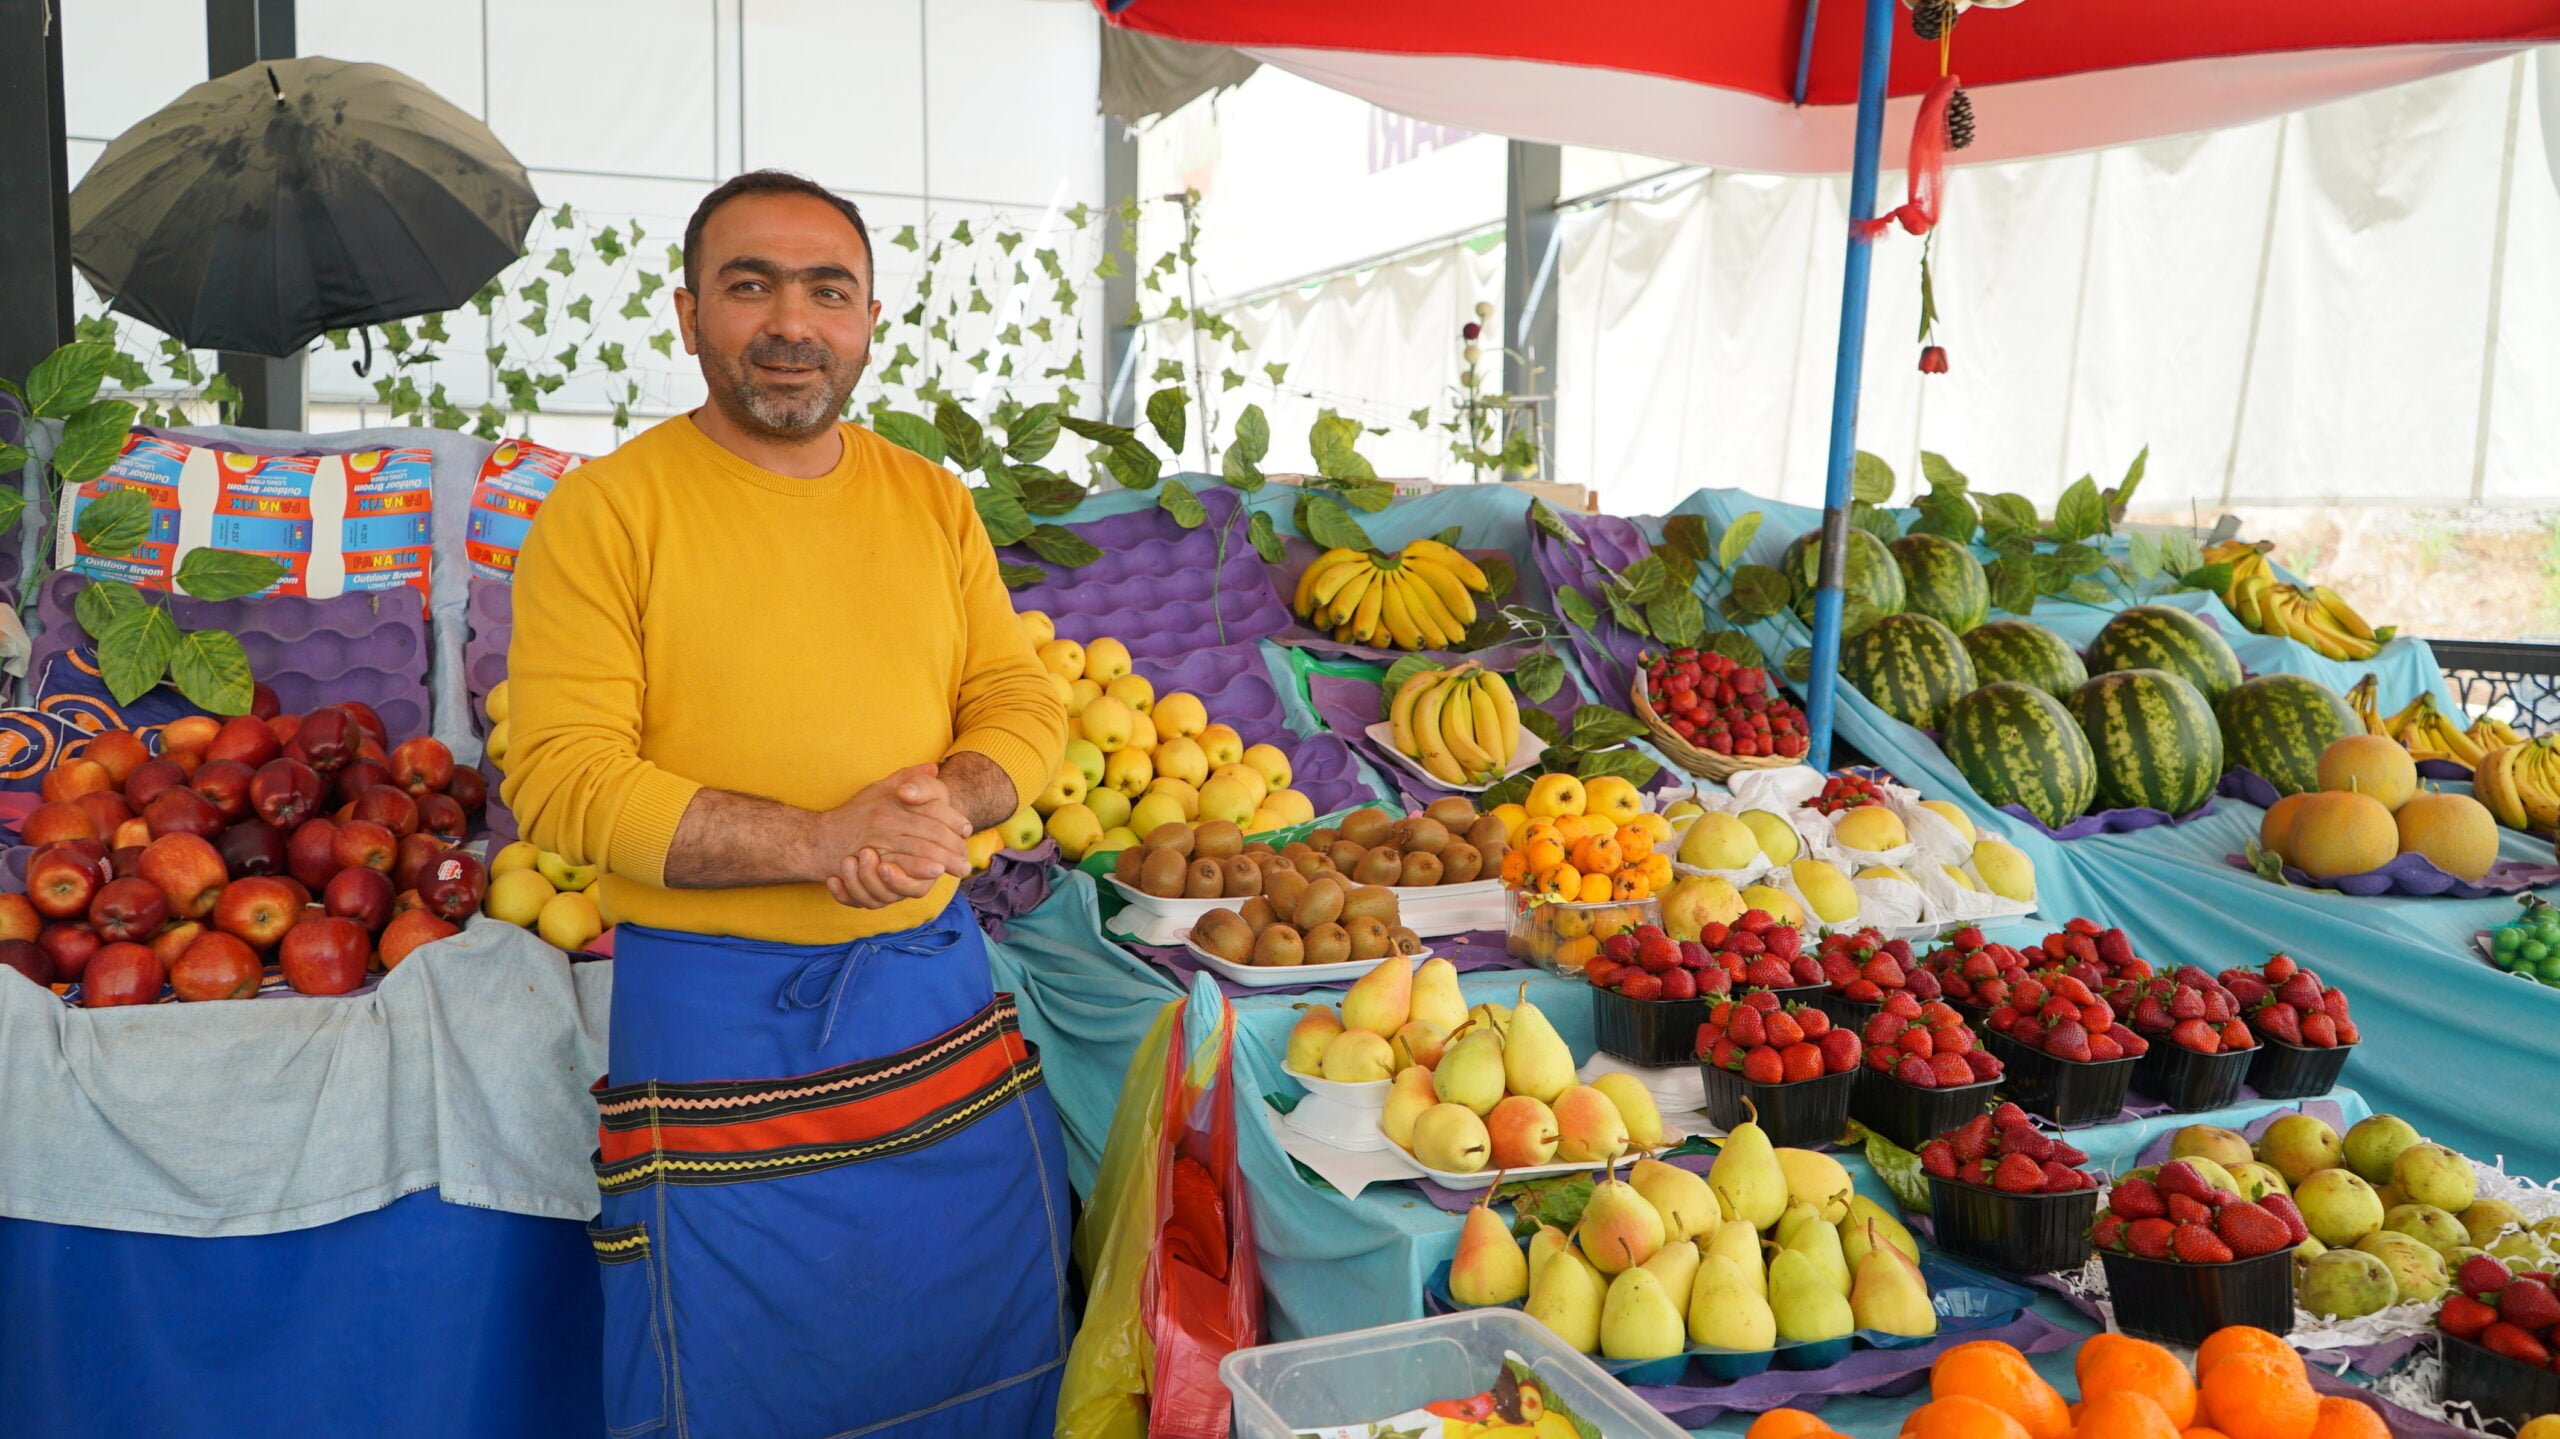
<point>1379,866</point>
<point>1323,838</point>
<point>1173,834</point>
<point>1345,855</point>
<point>1306,861</point>
<point>1279,947</point>
<point>1258,914</point>
<point>1422,835</point>
<point>1367,827</point>
<point>1460,863</point>
<point>1404,940</point>
<point>1206,879</point>
<point>1259,851</point>
<point>1369,937</point>
<point>1371,901</point>
<point>1125,869</point>
<point>1242,877</point>
<point>1161,874</point>
<point>1223,932</point>
<point>1421,870</point>
<point>1328,944</point>
<point>1216,838</point>
<point>1270,864</point>
<point>1455,813</point>
<point>1321,904</point>
<point>1284,888</point>
<point>1486,833</point>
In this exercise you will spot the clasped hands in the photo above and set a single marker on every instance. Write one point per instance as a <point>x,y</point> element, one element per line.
<point>896,839</point>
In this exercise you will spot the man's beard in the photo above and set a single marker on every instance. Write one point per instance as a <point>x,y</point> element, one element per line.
<point>783,415</point>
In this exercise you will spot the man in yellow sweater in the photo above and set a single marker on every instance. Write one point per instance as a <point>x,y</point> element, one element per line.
<point>764,672</point>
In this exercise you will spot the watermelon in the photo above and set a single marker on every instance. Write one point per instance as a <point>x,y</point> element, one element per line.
<point>2156,741</point>
<point>2276,726</point>
<point>1871,574</point>
<point>2015,744</point>
<point>2157,637</point>
<point>1942,579</point>
<point>2027,652</point>
<point>1910,666</point>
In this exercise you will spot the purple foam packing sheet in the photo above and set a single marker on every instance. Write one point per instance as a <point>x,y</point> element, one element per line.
<point>2106,821</point>
<point>2415,876</point>
<point>489,619</point>
<point>368,647</point>
<point>1470,952</point>
<point>1300,635</point>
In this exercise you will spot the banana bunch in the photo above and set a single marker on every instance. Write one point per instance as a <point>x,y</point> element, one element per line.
<point>2427,732</point>
<point>2520,783</point>
<point>1463,724</point>
<point>1421,597</point>
<point>2313,614</point>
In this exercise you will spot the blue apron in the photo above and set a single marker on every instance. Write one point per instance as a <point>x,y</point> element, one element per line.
<point>834,1192</point>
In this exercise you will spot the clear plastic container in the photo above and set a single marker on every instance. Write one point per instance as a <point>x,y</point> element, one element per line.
<point>1371,1374</point>
<point>1560,937</point>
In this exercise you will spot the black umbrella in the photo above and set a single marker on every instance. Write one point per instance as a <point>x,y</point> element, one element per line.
<point>294,197</point>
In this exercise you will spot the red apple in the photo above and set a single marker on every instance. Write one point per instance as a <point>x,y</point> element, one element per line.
<point>410,861</point>
<point>119,752</point>
<point>122,974</point>
<point>406,901</point>
<point>188,870</point>
<point>132,834</point>
<point>244,739</point>
<point>71,946</point>
<point>408,931</point>
<point>183,811</point>
<point>93,850</point>
<point>73,778</point>
<point>144,785</point>
<point>18,919</point>
<point>368,749</point>
<point>188,761</point>
<point>422,765</point>
<point>363,895</point>
<point>252,846</point>
<point>364,716</point>
<point>441,815</point>
<point>356,778</point>
<point>173,941</point>
<point>366,845</point>
<point>311,854</point>
<point>62,881</point>
<point>128,909</point>
<point>27,958</point>
<point>216,966</point>
<point>193,734</point>
<point>258,910</point>
<point>57,821</point>
<point>225,782</point>
<point>327,955</point>
<point>125,860</point>
<point>263,702</point>
<point>391,808</point>
<point>469,789</point>
<point>285,792</point>
<point>287,728</point>
<point>328,737</point>
<point>452,886</point>
<point>106,809</point>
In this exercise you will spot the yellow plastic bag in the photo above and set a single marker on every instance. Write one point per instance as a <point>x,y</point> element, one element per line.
<point>1103,1394</point>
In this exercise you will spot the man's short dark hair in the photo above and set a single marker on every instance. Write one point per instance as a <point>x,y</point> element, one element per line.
<point>766,182</point>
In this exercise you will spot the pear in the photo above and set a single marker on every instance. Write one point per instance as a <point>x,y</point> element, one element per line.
<point>1588,1127</point>
<point>1641,1116</point>
<point>1406,1102</point>
<point>1424,1042</point>
<point>1435,996</point>
<point>1489,1015</point>
<point>1820,1243</point>
<point>1470,1072</point>
<point>1739,1245</point>
<point>1808,1306</point>
<point>1565,1295</point>
<point>1638,1319</point>
<point>1619,1228</point>
<point>1792,1222</point>
<point>1548,1241</point>
<point>1818,1180</point>
<point>1535,1059</point>
<point>1357,1057</point>
<point>1676,1265</point>
<point>1451,1139</point>
<point>1687,1206</point>
<point>1315,1029</point>
<point>1869,1224</point>
<point>1489,1267</point>
<point>1381,1000</point>
<point>1889,1295</point>
<point>1727,1310</point>
<point>1746,1176</point>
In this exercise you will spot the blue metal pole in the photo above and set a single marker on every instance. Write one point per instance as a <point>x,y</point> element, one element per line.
<point>1874,54</point>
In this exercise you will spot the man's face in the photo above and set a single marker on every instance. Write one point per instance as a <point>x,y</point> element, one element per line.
<point>784,317</point>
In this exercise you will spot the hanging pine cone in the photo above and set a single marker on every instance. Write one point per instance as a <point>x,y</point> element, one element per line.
<point>1959,120</point>
<point>1931,19</point>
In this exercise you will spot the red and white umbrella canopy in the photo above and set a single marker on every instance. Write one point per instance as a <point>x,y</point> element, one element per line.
<point>1713,82</point>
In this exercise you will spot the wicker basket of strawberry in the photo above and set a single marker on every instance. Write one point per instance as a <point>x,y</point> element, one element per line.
<point>2069,1058</point>
<point>2185,1257</point>
<point>1784,1060</point>
<point>2003,1193</point>
<point>2501,1328</point>
<point>2302,1026</point>
<point>2201,1049</point>
<point>1861,967</point>
<point>1925,1071</point>
<point>1649,994</point>
<point>1715,716</point>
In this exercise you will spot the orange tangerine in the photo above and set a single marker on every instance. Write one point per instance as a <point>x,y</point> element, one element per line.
<point>1535,830</point>
<point>1569,827</point>
<point>1595,888</point>
<point>1633,839</point>
<point>1515,867</point>
<point>2234,1339</point>
<point>1998,1375</point>
<point>1961,1416</point>
<point>1597,854</point>
<point>1561,882</point>
<point>2122,1414</point>
<point>2109,1363</point>
<point>2258,1396</point>
<point>1629,884</point>
<point>1544,855</point>
<point>1786,1424</point>
<point>2345,1418</point>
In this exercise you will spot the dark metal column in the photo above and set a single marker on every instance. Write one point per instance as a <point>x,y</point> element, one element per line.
<point>1120,291</point>
<point>35,198</point>
<point>1534,184</point>
<point>238,33</point>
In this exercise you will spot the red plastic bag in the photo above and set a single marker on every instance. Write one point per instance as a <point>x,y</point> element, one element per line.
<point>1203,1292</point>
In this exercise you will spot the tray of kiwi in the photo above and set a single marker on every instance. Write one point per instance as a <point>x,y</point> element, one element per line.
<point>1443,864</point>
<point>1330,930</point>
<point>1255,976</point>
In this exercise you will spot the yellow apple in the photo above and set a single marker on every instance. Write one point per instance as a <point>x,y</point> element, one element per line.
<point>569,921</point>
<point>1067,788</point>
<point>1181,759</point>
<point>1555,794</point>
<point>1021,829</point>
<point>1128,771</point>
<point>1080,695</point>
<point>1142,733</point>
<point>1291,806</point>
<point>1075,828</point>
<point>1265,820</point>
<point>495,702</point>
<point>1115,840</point>
<point>1108,805</point>
<point>1036,627</point>
<point>519,855</point>
<point>1719,841</point>
<point>1272,762</point>
<point>1153,810</point>
<point>1680,809</point>
<point>983,847</point>
<point>1105,660</point>
<point>1105,722</point>
<point>1885,871</point>
<point>2006,871</point>
<point>1777,837</point>
<point>495,746</point>
<point>518,896</point>
<point>1063,658</point>
<point>1246,775</point>
<point>565,877</point>
<point>1953,814</point>
<point>1612,798</point>
<point>1182,793</point>
<point>1870,828</point>
<point>1134,691</point>
<point>1515,818</point>
<point>1695,901</point>
<point>1221,745</point>
<point>1088,759</point>
<point>1180,715</point>
<point>1231,798</point>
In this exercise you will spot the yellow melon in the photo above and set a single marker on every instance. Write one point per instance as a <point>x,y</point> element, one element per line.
<point>2342,832</point>
<point>2372,765</point>
<point>2275,832</point>
<point>2454,831</point>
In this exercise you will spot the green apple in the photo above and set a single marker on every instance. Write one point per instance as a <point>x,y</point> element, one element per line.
<point>1021,830</point>
<point>1108,805</point>
<point>1087,757</point>
<point>1155,809</point>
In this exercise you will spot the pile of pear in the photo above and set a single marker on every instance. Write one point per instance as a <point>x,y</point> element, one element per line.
<point>1769,1246</point>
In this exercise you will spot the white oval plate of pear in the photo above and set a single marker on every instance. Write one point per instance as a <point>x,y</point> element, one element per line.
<point>1285,976</point>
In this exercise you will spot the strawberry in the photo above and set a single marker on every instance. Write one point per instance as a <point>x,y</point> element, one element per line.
<point>2137,1199</point>
<point>2279,968</point>
<point>1728,1055</point>
<point>1655,950</point>
<point>2189,1211</point>
<point>1813,1022</point>
<point>1924,984</point>
<point>2179,1177</point>
<point>2103,1048</point>
<point>2060,1178</point>
<point>2333,1002</point>
<point>1768,973</point>
<point>1801,1061</point>
<point>1971,1140</point>
<point>2069,1153</point>
<point>1984,1063</point>
<point>2280,1022</point>
<point>2196,1244</point>
<point>1915,1071</point>
<point>2149,1013</point>
<point>1955,1039</point>
<point>2319,1031</point>
<point>2217,1004</point>
<point>2017,1174</point>
<point>2128,1042</point>
<point>2464,1317</point>
<point>1763,1066</point>
<point>2302,991</point>
<point>2529,1304</point>
<point>2008,1116</point>
<point>1919,1041</point>
<point>2069,1041</point>
<point>2282,1207</point>
<point>1905,1005</point>
<point>1785,941</point>
<point>2507,1339</point>
<point>1677,984</point>
<point>2251,1230</point>
<point>1951,1070</point>
<point>1938,1159</point>
<point>1749,1028</point>
<point>2347,1031</point>
<point>2150,1238</point>
<point>1783,1029</point>
<point>1885,1028</point>
<point>2196,1035</point>
<point>2108,1232</point>
<point>2482,1275</point>
<point>2097,1014</point>
<point>2029,1141</point>
<point>1839,1051</point>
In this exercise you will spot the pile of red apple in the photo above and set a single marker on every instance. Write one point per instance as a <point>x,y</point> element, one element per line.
<point>1720,705</point>
<point>296,836</point>
<point>1866,967</point>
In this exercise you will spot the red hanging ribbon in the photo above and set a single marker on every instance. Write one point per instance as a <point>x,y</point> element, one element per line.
<point>1927,171</point>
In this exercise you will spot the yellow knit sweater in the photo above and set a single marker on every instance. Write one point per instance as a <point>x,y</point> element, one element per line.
<point>684,618</point>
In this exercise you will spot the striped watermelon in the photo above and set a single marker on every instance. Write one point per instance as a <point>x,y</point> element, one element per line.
<point>2015,744</point>
<point>2276,725</point>
<point>2027,652</point>
<point>1942,579</point>
<point>1871,574</point>
<point>2156,740</point>
<point>2157,637</point>
<point>1910,666</point>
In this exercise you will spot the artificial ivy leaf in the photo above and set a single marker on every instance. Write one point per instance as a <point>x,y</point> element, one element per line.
<point>1538,722</point>
<point>1857,614</point>
<point>101,601</point>
<point>1328,524</point>
<point>1940,474</point>
<point>1002,513</point>
<point>2214,578</point>
<point>1544,516</point>
<point>1737,539</point>
<point>2076,559</point>
<point>913,432</point>
<point>1677,618</point>
<point>1333,440</point>
<point>1266,540</point>
<point>212,671</point>
<point>1062,546</point>
<point>1879,523</point>
<point>134,652</point>
<point>1500,579</point>
<point>115,523</point>
<point>1102,434</point>
<point>1758,592</point>
<point>2120,498</point>
<point>1133,464</point>
<point>1032,434</point>
<point>2013,584</point>
<point>1402,670</point>
<point>1019,577</point>
<point>1736,646</point>
<point>1946,511</point>
<point>1240,472</point>
<point>91,441</point>
<point>1577,607</point>
<point>1369,497</point>
<point>1167,411</point>
<point>13,503</point>
<point>962,438</point>
<point>1797,667</point>
<point>226,574</point>
<point>2141,556</point>
<point>2006,515</point>
<point>1046,492</point>
<point>2079,513</point>
<point>1176,499</point>
<point>1646,580</point>
<point>1277,370</point>
<point>66,380</point>
<point>2089,592</point>
<point>1509,791</point>
<point>2265,863</point>
<point>1870,478</point>
<point>1632,765</point>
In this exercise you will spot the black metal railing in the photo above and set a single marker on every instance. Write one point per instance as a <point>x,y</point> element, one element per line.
<point>2516,681</point>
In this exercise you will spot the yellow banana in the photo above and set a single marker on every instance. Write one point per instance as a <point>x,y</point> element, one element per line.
<point>1399,622</point>
<point>1444,583</point>
<point>1304,601</point>
<point>1506,722</point>
<point>1400,710</point>
<point>1364,621</point>
<point>2407,714</point>
<point>1428,617</point>
<point>1337,578</point>
<point>2493,783</point>
<point>1433,750</point>
<point>1491,736</point>
<point>2229,551</point>
<point>2360,698</point>
<point>2339,610</point>
<point>2306,621</point>
<point>2537,783</point>
<point>1346,600</point>
<point>2247,599</point>
<point>1459,565</point>
<point>2493,732</point>
<point>1458,731</point>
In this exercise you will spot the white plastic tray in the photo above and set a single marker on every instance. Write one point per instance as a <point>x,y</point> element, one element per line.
<point>1254,976</point>
<point>1523,755</point>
